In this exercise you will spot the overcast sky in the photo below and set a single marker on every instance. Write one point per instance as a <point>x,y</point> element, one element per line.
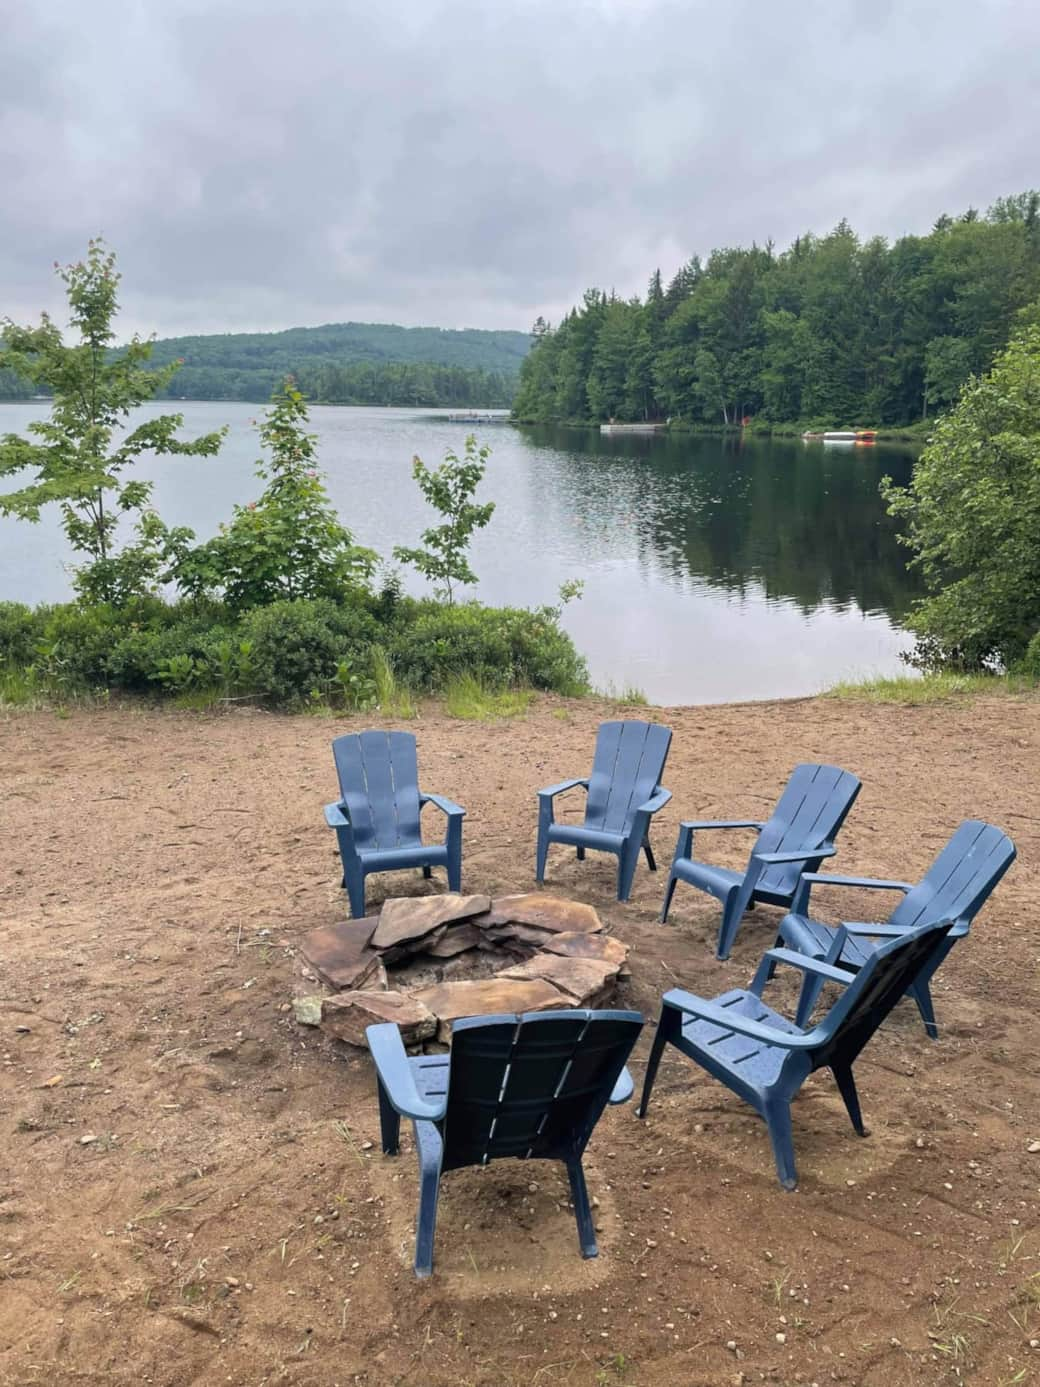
<point>260,165</point>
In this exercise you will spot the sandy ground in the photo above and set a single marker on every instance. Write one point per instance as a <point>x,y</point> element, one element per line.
<point>191,1189</point>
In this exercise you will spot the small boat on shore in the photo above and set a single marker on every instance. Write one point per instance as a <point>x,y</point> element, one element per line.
<point>850,438</point>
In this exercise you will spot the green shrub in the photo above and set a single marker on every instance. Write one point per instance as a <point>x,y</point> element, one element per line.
<point>294,649</point>
<point>1030,662</point>
<point>143,649</point>
<point>499,646</point>
<point>290,652</point>
<point>19,632</point>
<point>74,643</point>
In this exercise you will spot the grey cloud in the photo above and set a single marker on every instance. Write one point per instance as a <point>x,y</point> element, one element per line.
<point>259,164</point>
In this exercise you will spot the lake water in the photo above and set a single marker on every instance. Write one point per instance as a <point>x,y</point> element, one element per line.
<point>714,569</point>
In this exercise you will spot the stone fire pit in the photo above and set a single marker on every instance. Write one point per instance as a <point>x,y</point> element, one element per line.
<point>425,961</point>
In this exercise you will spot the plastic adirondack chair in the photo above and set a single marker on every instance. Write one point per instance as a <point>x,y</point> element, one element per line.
<point>623,792</point>
<point>377,818</point>
<point>797,838</point>
<point>531,1086</point>
<point>955,887</point>
<point>765,1059</point>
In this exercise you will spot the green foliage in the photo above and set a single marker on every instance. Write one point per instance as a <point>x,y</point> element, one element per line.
<point>467,698</point>
<point>449,489</point>
<point>290,543</point>
<point>972,517</point>
<point>939,686</point>
<point>287,654</point>
<point>501,647</point>
<point>834,328</point>
<point>294,649</point>
<point>392,698</point>
<point>18,628</point>
<point>352,687</point>
<point>629,695</point>
<point>1029,665</point>
<point>77,458</point>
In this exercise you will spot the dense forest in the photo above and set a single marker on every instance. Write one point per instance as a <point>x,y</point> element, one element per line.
<point>342,363</point>
<point>834,331</point>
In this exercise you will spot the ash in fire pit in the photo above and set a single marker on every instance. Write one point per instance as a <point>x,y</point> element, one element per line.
<point>425,961</point>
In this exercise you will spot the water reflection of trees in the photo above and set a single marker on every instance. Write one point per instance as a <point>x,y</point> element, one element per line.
<point>804,523</point>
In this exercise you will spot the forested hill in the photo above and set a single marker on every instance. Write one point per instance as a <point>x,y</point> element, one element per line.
<point>358,363</point>
<point>833,331</point>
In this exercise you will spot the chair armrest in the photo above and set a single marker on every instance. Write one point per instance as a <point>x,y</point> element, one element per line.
<point>882,931</point>
<point>824,850</point>
<point>743,1025</point>
<point>623,1088</point>
<point>722,823</point>
<point>335,817</point>
<point>800,903</point>
<point>863,883</point>
<point>446,806</point>
<point>563,785</point>
<point>658,800</point>
<point>810,965</point>
<point>395,1074</point>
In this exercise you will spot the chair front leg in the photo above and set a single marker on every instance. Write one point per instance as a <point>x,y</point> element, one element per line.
<point>777,1113</point>
<point>669,892</point>
<point>737,900</point>
<point>650,862</point>
<point>453,842</point>
<point>582,1208</point>
<point>765,971</point>
<point>628,861</point>
<point>389,1122</point>
<point>665,1027</point>
<point>847,1088</point>
<point>545,819</point>
<point>354,880</point>
<point>922,992</point>
<point>426,1227</point>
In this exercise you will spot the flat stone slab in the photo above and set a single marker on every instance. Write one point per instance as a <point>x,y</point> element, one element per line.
<point>582,981</point>
<point>456,939</point>
<point>544,912</point>
<point>347,1015</point>
<point>450,1000</point>
<point>340,954</point>
<point>405,918</point>
<point>603,946</point>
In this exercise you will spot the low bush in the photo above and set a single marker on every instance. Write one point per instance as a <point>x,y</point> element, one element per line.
<point>1029,665</point>
<point>497,646</point>
<point>288,653</point>
<point>19,627</point>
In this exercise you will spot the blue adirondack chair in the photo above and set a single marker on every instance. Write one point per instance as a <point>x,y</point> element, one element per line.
<point>377,818</point>
<point>796,839</point>
<point>623,792</point>
<point>765,1059</point>
<point>531,1086</point>
<point>955,887</point>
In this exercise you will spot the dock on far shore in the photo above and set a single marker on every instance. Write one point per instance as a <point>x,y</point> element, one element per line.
<point>472,417</point>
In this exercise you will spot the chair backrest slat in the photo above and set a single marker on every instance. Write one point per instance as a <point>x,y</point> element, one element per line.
<point>379,783</point>
<point>811,810</point>
<point>532,1085</point>
<point>626,770</point>
<point>876,989</point>
<point>961,878</point>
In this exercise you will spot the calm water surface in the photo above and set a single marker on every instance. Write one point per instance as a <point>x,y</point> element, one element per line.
<point>714,569</point>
